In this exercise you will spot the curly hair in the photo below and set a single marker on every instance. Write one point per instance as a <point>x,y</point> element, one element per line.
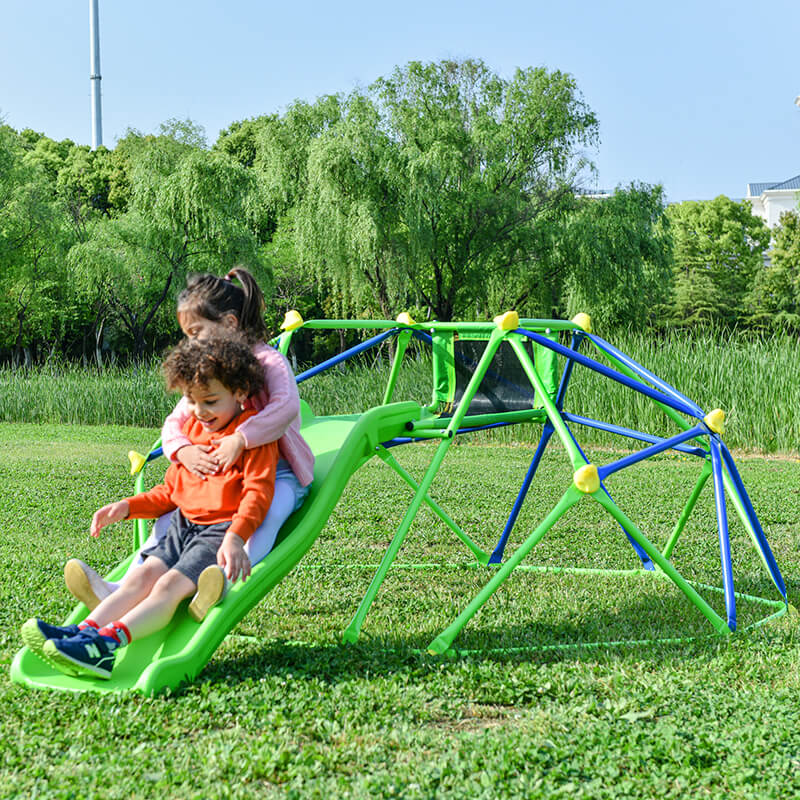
<point>227,358</point>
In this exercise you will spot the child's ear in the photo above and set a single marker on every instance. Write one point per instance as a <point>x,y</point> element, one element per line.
<point>240,396</point>
<point>230,321</point>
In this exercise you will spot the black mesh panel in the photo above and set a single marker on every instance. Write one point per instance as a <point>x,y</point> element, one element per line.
<point>505,386</point>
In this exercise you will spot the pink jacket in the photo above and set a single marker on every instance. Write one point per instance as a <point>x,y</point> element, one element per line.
<point>278,417</point>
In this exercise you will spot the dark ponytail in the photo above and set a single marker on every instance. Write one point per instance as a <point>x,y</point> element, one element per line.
<point>212,298</point>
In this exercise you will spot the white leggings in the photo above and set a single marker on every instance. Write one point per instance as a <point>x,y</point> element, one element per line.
<point>289,496</point>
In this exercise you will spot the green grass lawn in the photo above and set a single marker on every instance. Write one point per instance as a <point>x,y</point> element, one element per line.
<point>283,709</point>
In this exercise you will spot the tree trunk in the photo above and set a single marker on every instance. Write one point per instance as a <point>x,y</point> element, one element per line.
<point>98,343</point>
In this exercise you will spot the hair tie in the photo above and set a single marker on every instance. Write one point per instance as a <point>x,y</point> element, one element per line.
<point>227,278</point>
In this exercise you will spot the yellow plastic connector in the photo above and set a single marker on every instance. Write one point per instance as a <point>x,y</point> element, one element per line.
<point>583,321</point>
<point>137,461</point>
<point>508,321</point>
<point>715,420</point>
<point>291,320</point>
<point>586,479</point>
<point>406,319</point>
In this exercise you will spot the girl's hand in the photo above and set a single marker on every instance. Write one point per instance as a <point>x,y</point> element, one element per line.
<point>228,449</point>
<point>113,512</point>
<point>232,557</point>
<point>197,458</point>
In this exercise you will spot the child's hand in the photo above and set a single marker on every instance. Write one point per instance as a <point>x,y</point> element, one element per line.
<point>196,458</point>
<point>232,557</point>
<point>228,450</point>
<point>113,512</point>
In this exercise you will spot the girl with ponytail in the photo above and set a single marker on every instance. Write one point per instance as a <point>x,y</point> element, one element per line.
<point>210,305</point>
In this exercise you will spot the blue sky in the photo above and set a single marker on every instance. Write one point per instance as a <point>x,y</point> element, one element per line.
<point>698,96</point>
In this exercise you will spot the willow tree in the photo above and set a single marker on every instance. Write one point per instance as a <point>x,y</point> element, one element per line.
<point>613,256</point>
<point>430,183</point>
<point>189,210</point>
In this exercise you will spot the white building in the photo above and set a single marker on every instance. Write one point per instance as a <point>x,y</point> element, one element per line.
<point>770,200</point>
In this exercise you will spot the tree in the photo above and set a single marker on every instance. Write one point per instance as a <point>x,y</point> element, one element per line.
<point>719,251</point>
<point>431,182</point>
<point>615,257</point>
<point>775,296</point>
<point>33,240</point>
<point>189,210</point>
<point>238,140</point>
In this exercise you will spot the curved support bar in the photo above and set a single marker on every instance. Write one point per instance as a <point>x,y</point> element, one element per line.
<point>690,410</point>
<point>645,374</point>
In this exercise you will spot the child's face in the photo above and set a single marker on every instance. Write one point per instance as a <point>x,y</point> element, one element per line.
<point>197,327</point>
<point>214,405</point>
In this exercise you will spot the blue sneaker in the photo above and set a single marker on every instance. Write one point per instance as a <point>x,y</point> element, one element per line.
<point>85,654</point>
<point>35,632</point>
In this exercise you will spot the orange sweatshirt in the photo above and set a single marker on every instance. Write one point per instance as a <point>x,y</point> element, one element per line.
<point>243,493</point>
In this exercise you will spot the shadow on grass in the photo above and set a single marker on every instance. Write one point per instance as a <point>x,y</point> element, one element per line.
<point>629,632</point>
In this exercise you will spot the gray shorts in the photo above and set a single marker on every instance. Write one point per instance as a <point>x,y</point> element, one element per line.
<point>188,547</point>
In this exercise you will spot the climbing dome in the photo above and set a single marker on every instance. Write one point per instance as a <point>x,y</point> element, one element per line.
<point>514,371</point>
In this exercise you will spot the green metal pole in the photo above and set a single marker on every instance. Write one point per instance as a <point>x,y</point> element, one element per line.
<point>403,338</point>
<point>388,458</point>
<point>475,381</point>
<point>444,640</point>
<point>549,406</point>
<point>665,566</point>
<point>539,325</point>
<point>284,340</point>
<point>477,420</point>
<point>353,629</point>
<point>688,508</point>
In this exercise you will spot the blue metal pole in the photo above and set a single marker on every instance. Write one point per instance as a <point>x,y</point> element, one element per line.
<point>637,386</point>
<point>154,454</point>
<point>425,337</point>
<point>497,555</point>
<point>644,373</point>
<point>630,433</point>
<point>766,552</point>
<point>724,539</point>
<point>577,338</point>
<point>647,562</point>
<point>353,351</point>
<point>659,447</point>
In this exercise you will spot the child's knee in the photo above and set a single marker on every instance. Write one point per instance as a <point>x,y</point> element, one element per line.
<point>143,576</point>
<point>174,584</point>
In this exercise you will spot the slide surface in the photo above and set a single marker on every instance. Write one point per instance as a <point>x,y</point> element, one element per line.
<point>179,652</point>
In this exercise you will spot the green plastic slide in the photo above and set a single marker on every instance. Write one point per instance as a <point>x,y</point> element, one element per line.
<point>179,652</point>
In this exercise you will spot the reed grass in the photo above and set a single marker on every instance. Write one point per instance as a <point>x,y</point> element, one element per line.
<point>73,395</point>
<point>756,381</point>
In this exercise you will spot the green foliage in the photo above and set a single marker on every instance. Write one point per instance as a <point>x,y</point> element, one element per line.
<point>34,238</point>
<point>189,210</point>
<point>775,296</point>
<point>611,257</point>
<point>719,250</point>
<point>429,184</point>
<point>442,188</point>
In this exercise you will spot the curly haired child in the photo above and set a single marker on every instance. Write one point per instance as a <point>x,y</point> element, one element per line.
<point>211,516</point>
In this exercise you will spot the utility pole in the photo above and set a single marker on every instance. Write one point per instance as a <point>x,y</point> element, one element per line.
<point>94,76</point>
